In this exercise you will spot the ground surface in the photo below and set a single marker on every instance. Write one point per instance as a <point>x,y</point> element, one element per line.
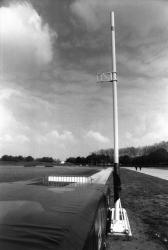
<point>140,239</point>
<point>146,201</point>
<point>144,197</point>
<point>37,217</point>
<point>160,173</point>
<point>9,173</point>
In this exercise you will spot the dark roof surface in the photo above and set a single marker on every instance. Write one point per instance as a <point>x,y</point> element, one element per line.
<point>36,217</point>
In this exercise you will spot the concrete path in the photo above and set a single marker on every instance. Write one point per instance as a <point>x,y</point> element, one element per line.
<point>102,176</point>
<point>156,172</point>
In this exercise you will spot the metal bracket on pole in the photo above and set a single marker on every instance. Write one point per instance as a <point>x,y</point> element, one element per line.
<point>104,77</point>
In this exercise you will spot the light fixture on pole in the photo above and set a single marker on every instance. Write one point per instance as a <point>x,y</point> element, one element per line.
<point>119,219</point>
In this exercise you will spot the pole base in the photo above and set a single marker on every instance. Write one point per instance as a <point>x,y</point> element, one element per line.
<point>121,225</point>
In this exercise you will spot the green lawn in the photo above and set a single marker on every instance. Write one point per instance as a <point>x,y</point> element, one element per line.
<point>147,198</point>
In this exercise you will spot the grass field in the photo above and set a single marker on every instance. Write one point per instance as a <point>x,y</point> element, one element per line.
<point>146,201</point>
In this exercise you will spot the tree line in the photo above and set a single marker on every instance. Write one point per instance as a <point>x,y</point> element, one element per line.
<point>158,156</point>
<point>135,151</point>
<point>129,156</point>
<point>29,158</point>
<point>92,159</point>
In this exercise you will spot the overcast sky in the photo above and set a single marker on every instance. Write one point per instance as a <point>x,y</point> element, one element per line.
<point>50,52</point>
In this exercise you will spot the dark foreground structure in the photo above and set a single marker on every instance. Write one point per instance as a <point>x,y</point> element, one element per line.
<point>38,214</point>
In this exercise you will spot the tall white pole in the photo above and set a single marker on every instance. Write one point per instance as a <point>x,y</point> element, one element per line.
<point>116,171</point>
<point>119,219</point>
<point>114,77</point>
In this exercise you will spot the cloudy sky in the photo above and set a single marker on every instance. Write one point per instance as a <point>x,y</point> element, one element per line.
<point>50,52</point>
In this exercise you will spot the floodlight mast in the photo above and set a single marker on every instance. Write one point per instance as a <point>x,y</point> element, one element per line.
<point>119,219</point>
<point>112,77</point>
<point>116,171</point>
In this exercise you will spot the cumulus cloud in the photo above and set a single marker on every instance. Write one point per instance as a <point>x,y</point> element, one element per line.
<point>13,138</point>
<point>141,30</point>
<point>152,128</point>
<point>6,93</point>
<point>55,137</point>
<point>142,59</point>
<point>60,144</point>
<point>8,138</point>
<point>5,117</point>
<point>26,130</point>
<point>94,13</point>
<point>97,137</point>
<point>9,126</point>
<point>39,113</point>
<point>25,41</point>
<point>14,144</point>
<point>141,39</point>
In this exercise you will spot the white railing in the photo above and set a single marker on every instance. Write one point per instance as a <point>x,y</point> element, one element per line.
<point>70,179</point>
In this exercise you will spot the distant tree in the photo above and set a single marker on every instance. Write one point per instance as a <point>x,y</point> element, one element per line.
<point>132,156</point>
<point>45,159</point>
<point>29,158</point>
<point>125,159</point>
<point>57,161</point>
<point>158,156</point>
<point>92,159</point>
<point>78,160</point>
<point>12,158</point>
<point>19,158</point>
<point>83,161</point>
<point>71,160</point>
<point>133,152</point>
<point>6,158</point>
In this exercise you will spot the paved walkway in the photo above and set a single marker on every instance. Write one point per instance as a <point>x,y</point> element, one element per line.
<point>160,173</point>
<point>102,176</point>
